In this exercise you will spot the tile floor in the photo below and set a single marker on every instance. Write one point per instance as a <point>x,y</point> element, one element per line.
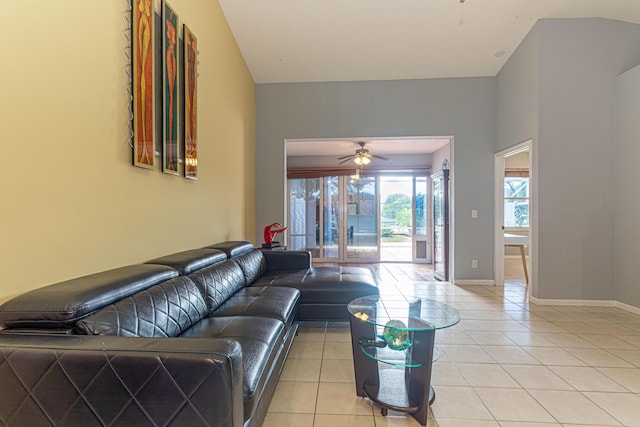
<point>508,363</point>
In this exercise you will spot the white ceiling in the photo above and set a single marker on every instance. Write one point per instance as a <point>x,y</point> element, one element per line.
<point>352,40</point>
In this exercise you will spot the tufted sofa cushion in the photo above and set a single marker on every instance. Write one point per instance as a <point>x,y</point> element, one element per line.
<point>218,283</point>
<point>165,310</point>
<point>253,265</point>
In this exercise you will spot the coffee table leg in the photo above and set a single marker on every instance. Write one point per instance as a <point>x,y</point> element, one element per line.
<point>418,380</point>
<point>366,369</point>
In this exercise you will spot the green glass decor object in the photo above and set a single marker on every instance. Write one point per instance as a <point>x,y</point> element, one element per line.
<point>396,335</point>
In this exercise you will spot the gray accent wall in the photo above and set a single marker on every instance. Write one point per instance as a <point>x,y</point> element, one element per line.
<point>559,90</point>
<point>463,108</point>
<point>627,202</point>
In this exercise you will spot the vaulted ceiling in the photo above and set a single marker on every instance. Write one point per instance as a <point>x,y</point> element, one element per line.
<point>352,40</point>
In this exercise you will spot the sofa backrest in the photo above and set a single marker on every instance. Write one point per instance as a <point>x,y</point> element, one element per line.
<point>233,248</point>
<point>187,262</point>
<point>164,310</point>
<point>62,304</point>
<point>218,283</point>
<point>253,265</point>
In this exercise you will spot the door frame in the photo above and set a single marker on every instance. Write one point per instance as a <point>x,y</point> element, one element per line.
<point>498,216</point>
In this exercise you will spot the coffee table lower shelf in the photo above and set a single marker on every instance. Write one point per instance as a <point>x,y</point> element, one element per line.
<point>391,393</point>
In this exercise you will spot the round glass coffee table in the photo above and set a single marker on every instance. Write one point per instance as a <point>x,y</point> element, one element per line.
<point>392,341</point>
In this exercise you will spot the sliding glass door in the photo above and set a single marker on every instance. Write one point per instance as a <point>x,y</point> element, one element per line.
<point>335,217</point>
<point>362,217</point>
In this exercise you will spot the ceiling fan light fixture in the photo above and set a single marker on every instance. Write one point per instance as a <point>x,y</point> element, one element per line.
<point>361,159</point>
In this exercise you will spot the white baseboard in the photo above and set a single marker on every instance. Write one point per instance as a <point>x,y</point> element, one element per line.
<point>586,303</point>
<point>463,282</point>
<point>574,302</point>
<point>627,307</point>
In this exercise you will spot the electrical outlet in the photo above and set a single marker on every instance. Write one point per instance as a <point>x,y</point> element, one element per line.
<point>474,263</point>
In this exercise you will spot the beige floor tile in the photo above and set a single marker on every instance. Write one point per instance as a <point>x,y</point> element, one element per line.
<point>453,336</point>
<point>529,339</point>
<point>631,356</point>
<point>329,420</point>
<point>490,338</point>
<point>465,353</point>
<point>306,350</point>
<point>466,423</point>
<point>301,370</point>
<point>276,419</point>
<point>536,377</point>
<point>576,327</point>
<point>587,379</point>
<point>445,373</point>
<point>459,403</point>
<point>624,407</point>
<point>567,340</point>
<point>554,356</point>
<point>493,325</point>
<point>491,314</point>
<point>486,375</point>
<point>627,377</point>
<point>556,316</point>
<point>338,350</point>
<point>608,341</point>
<point>341,399</point>
<point>294,397</point>
<point>337,371</point>
<point>310,334</point>
<point>633,339</point>
<point>513,405</point>
<point>572,407</point>
<point>511,354</point>
<point>613,328</point>
<point>338,335</point>
<point>521,424</point>
<point>599,358</point>
<point>543,326</point>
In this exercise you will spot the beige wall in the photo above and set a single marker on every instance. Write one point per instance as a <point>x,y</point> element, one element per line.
<point>71,203</point>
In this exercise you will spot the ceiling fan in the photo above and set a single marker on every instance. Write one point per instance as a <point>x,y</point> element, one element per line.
<point>362,157</point>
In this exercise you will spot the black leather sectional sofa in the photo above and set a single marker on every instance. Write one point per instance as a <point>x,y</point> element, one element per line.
<point>196,338</point>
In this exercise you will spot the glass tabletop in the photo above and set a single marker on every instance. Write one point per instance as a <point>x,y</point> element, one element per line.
<point>418,314</point>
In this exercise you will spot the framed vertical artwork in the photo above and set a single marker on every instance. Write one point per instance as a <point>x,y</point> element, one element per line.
<point>143,87</point>
<point>190,104</point>
<point>170,141</point>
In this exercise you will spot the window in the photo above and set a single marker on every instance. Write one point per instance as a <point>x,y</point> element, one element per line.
<point>516,202</point>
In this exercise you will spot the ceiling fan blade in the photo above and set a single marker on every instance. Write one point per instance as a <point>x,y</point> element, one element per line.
<point>380,157</point>
<point>344,161</point>
<point>345,157</point>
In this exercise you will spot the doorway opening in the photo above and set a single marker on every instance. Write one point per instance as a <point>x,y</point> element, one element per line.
<point>514,181</point>
<point>369,200</point>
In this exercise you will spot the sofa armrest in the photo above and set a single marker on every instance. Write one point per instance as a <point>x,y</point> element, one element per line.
<point>287,260</point>
<point>90,380</point>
